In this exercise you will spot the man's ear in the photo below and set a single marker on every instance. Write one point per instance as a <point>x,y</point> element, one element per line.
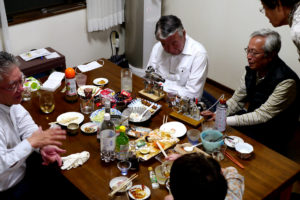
<point>184,33</point>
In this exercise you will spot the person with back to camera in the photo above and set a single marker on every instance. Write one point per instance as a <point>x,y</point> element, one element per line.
<point>271,90</point>
<point>194,176</point>
<point>19,137</point>
<point>179,59</point>
<point>284,12</point>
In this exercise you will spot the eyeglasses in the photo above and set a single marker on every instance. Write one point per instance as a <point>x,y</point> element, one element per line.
<point>13,87</point>
<point>262,10</point>
<point>252,52</point>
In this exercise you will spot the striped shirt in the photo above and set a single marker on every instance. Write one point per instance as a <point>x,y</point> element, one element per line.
<point>282,97</point>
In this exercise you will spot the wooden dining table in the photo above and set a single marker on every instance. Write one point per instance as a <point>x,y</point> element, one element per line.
<point>267,173</point>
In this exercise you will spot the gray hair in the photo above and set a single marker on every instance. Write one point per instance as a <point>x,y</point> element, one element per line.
<point>273,43</point>
<point>6,61</point>
<point>167,26</point>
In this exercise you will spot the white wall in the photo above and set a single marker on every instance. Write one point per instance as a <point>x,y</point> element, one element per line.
<point>223,27</point>
<point>66,33</point>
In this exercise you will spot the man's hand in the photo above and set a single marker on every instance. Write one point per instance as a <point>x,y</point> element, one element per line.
<point>50,136</point>
<point>169,197</point>
<point>173,156</point>
<point>51,153</point>
<point>208,115</point>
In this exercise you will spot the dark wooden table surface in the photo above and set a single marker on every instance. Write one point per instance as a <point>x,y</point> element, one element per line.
<point>266,174</point>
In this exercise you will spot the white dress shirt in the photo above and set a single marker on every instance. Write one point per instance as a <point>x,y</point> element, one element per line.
<point>185,73</point>
<point>16,126</point>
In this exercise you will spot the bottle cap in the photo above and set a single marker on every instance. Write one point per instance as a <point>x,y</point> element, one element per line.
<point>150,168</point>
<point>106,116</point>
<point>70,72</point>
<point>122,129</point>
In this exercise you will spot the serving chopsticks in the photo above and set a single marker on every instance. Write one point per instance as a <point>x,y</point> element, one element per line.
<point>123,185</point>
<point>162,150</point>
<point>94,95</point>
<point>234,160</point>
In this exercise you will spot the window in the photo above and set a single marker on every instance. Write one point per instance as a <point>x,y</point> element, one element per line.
<point>19,11</point>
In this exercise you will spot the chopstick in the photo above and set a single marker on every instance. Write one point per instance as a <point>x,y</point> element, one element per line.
<point>94,95</point>
<point>165,119</point>
<point>162,150</point>
<point>123,184</point>
<point>234,160</point>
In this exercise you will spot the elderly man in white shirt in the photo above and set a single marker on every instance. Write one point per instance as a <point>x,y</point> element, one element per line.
<point>19,135</point>
<point>179,59</point>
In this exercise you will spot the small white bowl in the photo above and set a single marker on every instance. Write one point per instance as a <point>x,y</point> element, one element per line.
<point>245,150</point>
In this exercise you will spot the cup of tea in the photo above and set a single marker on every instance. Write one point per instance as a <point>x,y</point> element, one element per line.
<point>47,102</point>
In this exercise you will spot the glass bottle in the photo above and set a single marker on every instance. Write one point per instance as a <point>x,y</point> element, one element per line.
<point>122,144</point>
<point>153,178</point>
<point>220,122</point>
<point>70,80</point>
<point>107,139</point>
<point>132,157</point>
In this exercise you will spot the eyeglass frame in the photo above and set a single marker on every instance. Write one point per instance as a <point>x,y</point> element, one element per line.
<point>262,10</point>
<point>252,52</point>
<point>13,87</point>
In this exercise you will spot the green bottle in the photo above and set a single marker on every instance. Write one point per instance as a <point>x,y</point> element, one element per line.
<point>122,144</point>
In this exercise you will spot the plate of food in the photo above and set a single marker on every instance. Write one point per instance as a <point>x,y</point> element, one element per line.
<point>138,131</point>
<point>235,140</point>
<point>100,81</point>
<point>89,128</point>
<point>98,115</point>
<point>139,192</point>
<point>70,117</point>
<point>139,102</point>
<point>117,181</point>
<point>80,90</point>
<point>147,145</point>
<point>177,129</point>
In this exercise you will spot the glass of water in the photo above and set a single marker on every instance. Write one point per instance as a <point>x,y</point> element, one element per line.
<point>124,166</point>
<point>126,80</point>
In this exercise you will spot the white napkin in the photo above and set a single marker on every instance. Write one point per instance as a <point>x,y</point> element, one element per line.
<point>75,160</point>
<point>53,81</point>
<point>90,66</point>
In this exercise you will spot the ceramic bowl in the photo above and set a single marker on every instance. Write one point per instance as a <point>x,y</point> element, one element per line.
<point>244,150</point>
<point>211,140</point>
<point>138,111</point>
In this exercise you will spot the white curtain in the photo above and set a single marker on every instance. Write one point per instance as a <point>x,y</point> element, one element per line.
<point>104,14</point>
<point>4,38</point>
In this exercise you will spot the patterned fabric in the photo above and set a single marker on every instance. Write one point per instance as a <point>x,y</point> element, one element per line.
<point>236,185</point>
<point>295,27</point>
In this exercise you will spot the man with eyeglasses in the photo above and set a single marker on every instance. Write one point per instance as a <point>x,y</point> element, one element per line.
<point>271,91</point>
<point>179,59</point>
<point>20,137</point>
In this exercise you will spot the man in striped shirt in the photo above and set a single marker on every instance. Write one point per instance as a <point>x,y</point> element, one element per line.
<point>271,91</point>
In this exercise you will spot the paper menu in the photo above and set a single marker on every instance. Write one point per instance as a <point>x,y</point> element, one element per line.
<point>34,54</point>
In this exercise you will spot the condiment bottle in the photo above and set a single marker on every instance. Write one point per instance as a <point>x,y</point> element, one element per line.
<point>153,178</point>
<point>220,122</point>
<point>107,139</point>
<point>71,92</point>
<point>122,144</point>
<point>133,158</point>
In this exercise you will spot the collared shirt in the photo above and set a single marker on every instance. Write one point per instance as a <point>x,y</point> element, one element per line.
<point>16,126</point>
<point>185,73</point>
<point>282,97</point>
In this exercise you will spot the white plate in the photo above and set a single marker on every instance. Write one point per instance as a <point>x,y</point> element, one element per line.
<point>113,182</point>
<point>177,129</point>
<point>69,115</point>
<point>91,125</point>
<point>80,90</point>
<point>97,80</point>
<point>232,143</point>
<point>146,189</point>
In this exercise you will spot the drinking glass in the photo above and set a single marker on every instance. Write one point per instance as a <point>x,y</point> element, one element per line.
<point>26,95</point>
<point>81,79</point>
<point>126,80</point>
<point>86,106</point>
<point>47,103</point>
<point>124,166</point>
<point>193,136</point>
<point>206,125</point>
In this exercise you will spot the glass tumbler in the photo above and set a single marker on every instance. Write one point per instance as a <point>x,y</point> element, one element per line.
<point>46,100</point>
<point>126,80</point>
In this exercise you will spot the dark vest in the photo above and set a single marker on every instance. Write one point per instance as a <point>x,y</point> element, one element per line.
<point>286,121</point>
